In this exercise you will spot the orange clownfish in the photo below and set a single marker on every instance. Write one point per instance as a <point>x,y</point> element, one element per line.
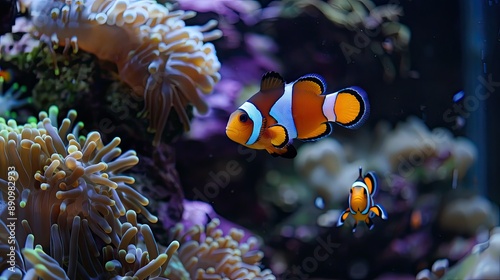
<point>281,112</point>
<point>361,205</point>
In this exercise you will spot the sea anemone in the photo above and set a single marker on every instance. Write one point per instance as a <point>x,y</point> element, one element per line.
<point>481,263</point>
<point>68,193</point>
<point>209,254</point>
<point>163,60</point>
<point>12,45</point>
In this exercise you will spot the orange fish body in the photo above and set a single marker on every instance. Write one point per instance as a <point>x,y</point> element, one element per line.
<point>361,204</point>
<point>281,112</point>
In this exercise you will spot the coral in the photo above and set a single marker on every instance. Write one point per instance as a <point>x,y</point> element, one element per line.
<point>63,80</point>
<point>438,270</point>
<point>157,179</point>
<point>209,254</point>
<point>412,147</point>
<point>200,213</point>
<point>68,192</point>
<point>468,215</point>
<point>230,11</point>
<point>71,86</point>
<point>378,26</point>
<point>481,263</point>
<point>325,168</point>
<point>9,100</point>
<point>11,45</point>
<point>358,13</point>
<point>409,153</point>
<point>165,62</point>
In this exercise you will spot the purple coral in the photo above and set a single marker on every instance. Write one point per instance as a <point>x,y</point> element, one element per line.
<point>231,11</point>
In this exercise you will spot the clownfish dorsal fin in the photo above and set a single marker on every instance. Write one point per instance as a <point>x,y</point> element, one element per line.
<point>360,173</point>
<point>279,136</point>
<point>310,83</point>
<point>272,80</point>
<point>370,180</point>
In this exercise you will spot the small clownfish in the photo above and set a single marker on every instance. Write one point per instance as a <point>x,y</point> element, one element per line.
<point>361,205</point>
<point>281,112</point>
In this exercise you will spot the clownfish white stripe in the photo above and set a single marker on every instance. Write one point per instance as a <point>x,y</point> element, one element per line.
<point>256,117</point>
<point>282,110</point>
<point>328,107</point>
<point>360,184</point>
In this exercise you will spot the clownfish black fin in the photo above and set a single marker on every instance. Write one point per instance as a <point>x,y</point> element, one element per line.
<point>370,180</point>
<point>369,222</point>
<point>288,151</point>
<point>351,107</point>
<point>272,80</point>
<point>343,216</point>
<point>322,131</point>
<point>379,211</point>
<point>354,226</point>
<point>279,136</point>
<point>310,83</point>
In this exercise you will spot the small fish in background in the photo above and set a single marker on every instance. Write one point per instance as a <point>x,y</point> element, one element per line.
<point>416,219</point>
<point>319,202</point>
<point>281,112</point>
<point>361,205</point>
<point>7,75</point>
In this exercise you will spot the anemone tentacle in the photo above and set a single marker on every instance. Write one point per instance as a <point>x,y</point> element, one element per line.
<point>166,62</point>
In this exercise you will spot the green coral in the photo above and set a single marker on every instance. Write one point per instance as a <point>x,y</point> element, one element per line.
<point>62,79</point>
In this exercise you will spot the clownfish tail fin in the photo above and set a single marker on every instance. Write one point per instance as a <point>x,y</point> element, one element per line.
<point>348,107</point>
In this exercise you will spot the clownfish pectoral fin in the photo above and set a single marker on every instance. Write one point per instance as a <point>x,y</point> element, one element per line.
<point>272,80</point>
<point>378,210</point>
<point>291,152</point>
<point>310,83</point>
<point>369,222</point>
<point>288,151</point>
<point>343,216</point>
<point>370,180</point>
<point>322,131</point>
<point>279,136</point>
<point>351,107</point>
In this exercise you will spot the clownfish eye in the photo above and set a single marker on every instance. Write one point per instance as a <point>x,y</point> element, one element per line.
<point>243,118</point>
<point>364,191</point>
<point>351,191</point>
